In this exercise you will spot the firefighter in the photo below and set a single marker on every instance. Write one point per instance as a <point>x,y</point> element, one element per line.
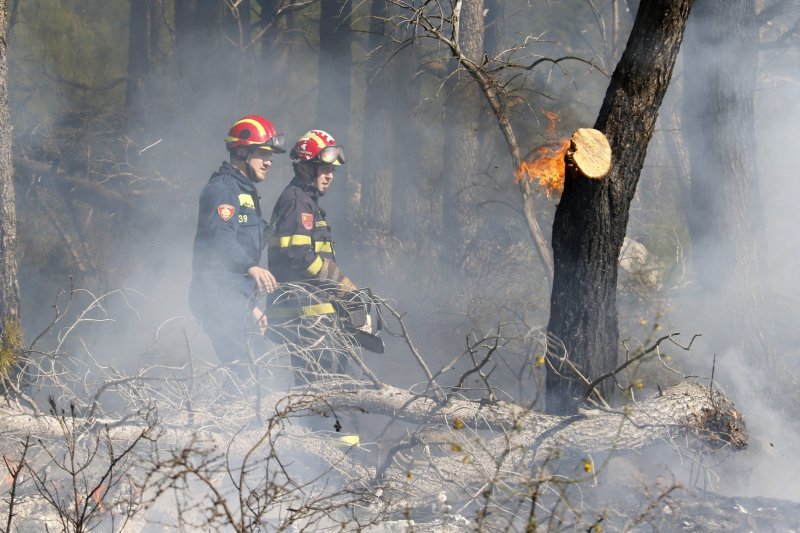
<point>231,234</point>
<point>301,248</point>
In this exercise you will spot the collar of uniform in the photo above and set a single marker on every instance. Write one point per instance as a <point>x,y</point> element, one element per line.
<point>229,169</point>
<point>305,186</point>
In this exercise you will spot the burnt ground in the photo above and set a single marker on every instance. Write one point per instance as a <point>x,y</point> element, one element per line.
<point>687,510</point>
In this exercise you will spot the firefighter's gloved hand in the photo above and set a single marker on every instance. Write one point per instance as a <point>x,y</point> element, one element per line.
<point>346,286</point>
<point>343,285</point>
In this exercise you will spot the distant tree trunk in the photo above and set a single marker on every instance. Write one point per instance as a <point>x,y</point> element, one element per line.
<point>491,139</point>
<point>376,171</point>
<point>333,97</point>
<point>274,56</point>
<point>207,62</point>
<point>9,287</point>
<point>409,204</point>
<point>237,28</point>
<point>142,47</point>
<point>462,122</point>
<point>592,216</point>
<point>726,221</point>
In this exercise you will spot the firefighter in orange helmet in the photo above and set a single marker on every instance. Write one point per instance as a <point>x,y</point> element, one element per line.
<point>231,234</point>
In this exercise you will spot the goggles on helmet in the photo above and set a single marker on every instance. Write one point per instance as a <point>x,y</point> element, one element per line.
<point>276,143</point>
<point>331,155</point>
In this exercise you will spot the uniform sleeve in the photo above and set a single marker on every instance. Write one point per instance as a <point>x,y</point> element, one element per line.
<point>291,242</point>
<point>219,209</point>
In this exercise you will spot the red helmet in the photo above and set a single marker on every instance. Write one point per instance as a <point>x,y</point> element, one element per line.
<point>319,147</point>
<point>257,132</point>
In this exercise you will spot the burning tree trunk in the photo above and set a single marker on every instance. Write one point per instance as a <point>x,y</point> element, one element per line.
<point>591,219</point>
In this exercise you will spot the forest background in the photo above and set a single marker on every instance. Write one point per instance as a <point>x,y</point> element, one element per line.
<point>120,107</point>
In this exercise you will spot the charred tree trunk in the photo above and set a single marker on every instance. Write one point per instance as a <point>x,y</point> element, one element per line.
<point>726,223</point>
<point>592,216</point>
<point>9,287</point>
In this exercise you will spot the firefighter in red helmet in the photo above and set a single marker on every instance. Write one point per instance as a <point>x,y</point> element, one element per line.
<point>231,234</point>
<point>301,246</point>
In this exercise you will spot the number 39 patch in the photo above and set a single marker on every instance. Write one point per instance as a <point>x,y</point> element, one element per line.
<point>225,211</point>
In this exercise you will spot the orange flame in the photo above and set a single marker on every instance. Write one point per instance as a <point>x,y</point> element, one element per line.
<point>546,164</point>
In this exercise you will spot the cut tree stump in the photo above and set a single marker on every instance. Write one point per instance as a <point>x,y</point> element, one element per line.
<point>589,153</point>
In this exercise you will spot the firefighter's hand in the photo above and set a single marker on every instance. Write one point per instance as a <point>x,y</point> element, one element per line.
<point>261,320</point>
<point>346,285</point>
<point>265,281</point>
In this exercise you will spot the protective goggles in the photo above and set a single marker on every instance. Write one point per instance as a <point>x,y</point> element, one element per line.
<point>331,155</point>
<point>276,143</point>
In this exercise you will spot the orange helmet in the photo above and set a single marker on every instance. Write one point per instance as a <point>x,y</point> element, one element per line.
<point>254,131</point>
<point>317,146</point>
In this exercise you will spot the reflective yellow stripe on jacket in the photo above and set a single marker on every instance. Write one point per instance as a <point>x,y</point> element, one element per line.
<point>303,240</point>
<point>305,310</point>
<point>290,240</point>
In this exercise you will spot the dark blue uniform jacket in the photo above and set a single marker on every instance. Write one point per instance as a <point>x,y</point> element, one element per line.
<point>231,235</point>
<point>301,237</point>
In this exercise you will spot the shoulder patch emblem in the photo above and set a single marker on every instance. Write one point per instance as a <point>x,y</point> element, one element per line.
<point>307,219</point>
<point>245,200</point>
<point>225,211</point>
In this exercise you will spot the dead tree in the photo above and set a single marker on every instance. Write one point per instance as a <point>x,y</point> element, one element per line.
<point>442,24</point>
<point>592,216</point>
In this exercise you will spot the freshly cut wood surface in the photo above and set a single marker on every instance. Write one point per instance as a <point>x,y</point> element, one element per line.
<point>591,153</point>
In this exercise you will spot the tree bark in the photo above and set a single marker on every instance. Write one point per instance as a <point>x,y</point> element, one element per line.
<point>591,218</point>
<point>461,150</point>
<point>9,285</point>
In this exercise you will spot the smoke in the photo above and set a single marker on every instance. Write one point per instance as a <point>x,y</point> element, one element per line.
<point>149,255</point>
<point>715,303</point>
